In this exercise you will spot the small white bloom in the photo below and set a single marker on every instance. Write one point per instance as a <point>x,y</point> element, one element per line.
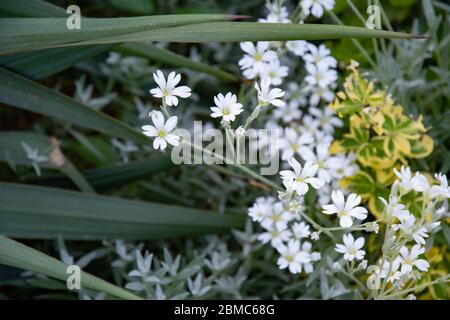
<point>268,96</point>
<point>346,210</point>
<point>442,190</point>
<point>291,256</point>
<point>405,177</point>
<point>297,47</point>
<point>168,90</point>
<point>274,72</point>
<point>299,179</point>
<point>409,259</point>
<point>259,211</point>
<point>327,118</point>
<point>227,107</point>
<point>320,55</point>
<point>161,131</point>
<point>320,75</point>
<point>240,131</point>
<point>315,236</point>
<point>293,143</point>
<point>287,112</point>
<point>278,217</point>
<point>316,7</point>
<point>256,57</point>
<point>351,248</point>
<point>275,237</point>
<point>300,230</point>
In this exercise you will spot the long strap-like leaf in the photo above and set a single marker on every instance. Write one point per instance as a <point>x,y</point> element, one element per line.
<point>15,254</point>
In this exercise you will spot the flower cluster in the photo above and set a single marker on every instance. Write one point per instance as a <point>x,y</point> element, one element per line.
<point>286,233</point>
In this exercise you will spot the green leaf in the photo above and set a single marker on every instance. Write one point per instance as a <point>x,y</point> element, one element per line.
<point>173,59</point>
<point>43,63</point>
<point>24,34</point>
<point>20,92</point>
<point>115,175</point>
<point>75,215</point>
<point>249,31</point>
<point>13,253</point>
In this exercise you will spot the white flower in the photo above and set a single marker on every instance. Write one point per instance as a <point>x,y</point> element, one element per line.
<point>297,47</point>
<point>405,176</point>
<point>268,96</point>
<point>287,112</point>
<point>322,158</point>
<point>420,183</point>
<point>277,14</point>
<point>315,236</point>
<point>320,75</point>
<point>256,57</point>
<point>275,237</point>
<point>299,179</point>
<point>316,7</point>
<point>274,72</point>
<point>278,217</point>
<point>345,210</point>
<point>168,90</point>
<point>343,166</point>
<point>227,107</point>
<point>318,93</point>
<point>351,248</point>
<point>408,227</point>
<point>240,131</point>
<point>313,256</point>
<point>327,118</point>
<point>161,130</point>
<point>320,55</point>
<point>300,230</point>
<point>442,190</point>
<point>293,143</point>
<point>259,211</point>
<point>408,259</point>
<point>291,256</point>
<point>35,157</point>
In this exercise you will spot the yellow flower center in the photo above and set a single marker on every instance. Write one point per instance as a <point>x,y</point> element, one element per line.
<point>342,213</point>
<point>161,133</point>
<point>258,57</point>
<point>226,111</point>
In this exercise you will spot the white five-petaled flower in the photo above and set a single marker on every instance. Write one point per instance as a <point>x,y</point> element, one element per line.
<point>320,75</point>
<point>292,143</point>
<point>316,7</point>
<point>161,131</point>
<point>227,107</point>
<point>256,56</point>
<point>274,236</point>
<point>167,90</point>
<point>297,47</point>
<point>408,259</point>
<point>351,248</point>
<point>292,257</point>
<point>346,210</point>
<point>274,72</point>
<point>299,179</point>
<point>405,176</point>
<point>268,96</point>
<point>320,55</point>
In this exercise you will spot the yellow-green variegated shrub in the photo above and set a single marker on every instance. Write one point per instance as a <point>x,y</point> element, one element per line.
<point>381,135</point>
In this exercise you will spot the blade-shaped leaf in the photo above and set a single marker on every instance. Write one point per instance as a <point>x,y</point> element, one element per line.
<point>250,31</point>
<point>23,34</point>
<point>46,62</point>
<point>20,92</point>
<point>75,215</point>
<point>16,254</point>
<point>113,176</point>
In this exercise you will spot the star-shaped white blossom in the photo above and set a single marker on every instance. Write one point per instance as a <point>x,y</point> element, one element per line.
<point>161,131</point>
<point>227,107</point>
<point>167,90</point>
<point>346,210</point>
